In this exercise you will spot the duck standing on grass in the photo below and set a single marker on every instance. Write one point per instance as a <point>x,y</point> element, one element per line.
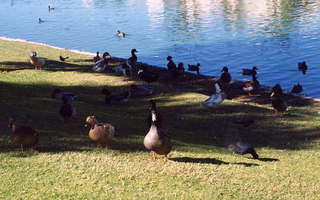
<point>225,79</point>
<point>277,101</point>
<point>157,140</point>
<point>63,58</point>
<point>215,99</point>
<point>147,76</point>
<point>37,62</point>
<point>24,136</point>
<point>66,111</point>
<point>59,94</point>
<point>132,61</point>
<point>100,133</point>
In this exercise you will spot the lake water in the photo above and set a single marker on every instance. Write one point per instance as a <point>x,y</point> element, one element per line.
<point>273,35</point>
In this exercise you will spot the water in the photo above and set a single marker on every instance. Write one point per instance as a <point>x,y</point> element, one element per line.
<point>273,35</point>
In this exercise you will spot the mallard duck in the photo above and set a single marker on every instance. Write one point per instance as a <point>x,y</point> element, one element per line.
<point>225,77</point>
<point>66,110</point>
<point>303,67</point>
<point>277,101</point>
<point>100,133</point>
<point>102,64</point>
<point>24,136</point>
<point>97,57</point>
<point>121,34</point>
<point>243,148</point>
<point>147,76</point>
<point>63,58</point>
<point>249,72</point>
<point>252,86</point>
<point>141,90</point>
<point>195,68</point>
<point>157,140</point>
<point>297,88</point>
<point>59,94</point>
<point>40,20</point>
<point>50,8</point>
<point>115,98</point>
<point>37,62</point>
<point>215,99</point>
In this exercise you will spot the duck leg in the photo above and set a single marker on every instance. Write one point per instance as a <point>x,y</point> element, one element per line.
<point>154,157</point>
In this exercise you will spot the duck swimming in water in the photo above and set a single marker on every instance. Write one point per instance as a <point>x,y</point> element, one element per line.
<point>249,72</point>
<point>121,34</point>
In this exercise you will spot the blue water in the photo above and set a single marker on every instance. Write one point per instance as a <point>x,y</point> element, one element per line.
<point>273,35</point>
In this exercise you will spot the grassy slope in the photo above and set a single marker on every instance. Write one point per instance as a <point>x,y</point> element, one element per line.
<point>69,166</point>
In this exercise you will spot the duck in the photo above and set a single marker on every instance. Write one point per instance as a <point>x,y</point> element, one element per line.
<point>141,90</point>
<point>66,110</point>
<point>181,68</point>
<point>157,140</point>
<point>24,136</point>
<point>115,98</point>
<point>37,62</point>
<point>242,148</point>
<point>100,133</point>
<point>303,67</point>
<point>121,34</point>
<point>63,58</point>
<point>215,99</point>
<point>132,61</point>
<point>147,76</point>
<point>50,8</point>
<point>102,64</point>
<point>250,72</point>
<point>171,65</point>
<point>252,86</point>
<point>40,20</point>
<point>277,101</point>
<point>297,89</point>
<point>59,94</point>
<point>195,68</point>
<point>97,57</point>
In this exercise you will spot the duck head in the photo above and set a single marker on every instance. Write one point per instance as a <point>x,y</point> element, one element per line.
<point>169,58</point>
<point>106,55</point>
<point>276,90</point>
<point>254,68</point>
<point>90,121</point>
<point>33,53</point>
<point>133,51</point>
<point>225,69</point>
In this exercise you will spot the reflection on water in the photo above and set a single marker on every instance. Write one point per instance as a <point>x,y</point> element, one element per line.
<point>274,35</point>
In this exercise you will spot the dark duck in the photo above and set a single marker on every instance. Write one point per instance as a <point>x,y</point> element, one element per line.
<point>59,94</point>
<point>195,68</point>
<point>303,67</point>
<point>63,58</point>
<point>66,110</point>
<point>242,148</point>
<point>277,101</point>
<point>157,140</point>
<point>250,72</point>
<point>115,98</point>
<point>297,89</point>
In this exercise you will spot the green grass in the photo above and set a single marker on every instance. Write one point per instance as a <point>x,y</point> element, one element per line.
<point>68,166</point>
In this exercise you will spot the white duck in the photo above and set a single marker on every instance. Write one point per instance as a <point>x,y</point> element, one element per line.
<point>215,99</point>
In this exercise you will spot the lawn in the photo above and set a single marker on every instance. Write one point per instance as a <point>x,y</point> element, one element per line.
<point>68,165</point>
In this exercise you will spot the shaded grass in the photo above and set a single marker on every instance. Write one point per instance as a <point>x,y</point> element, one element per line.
<point>69,167</point>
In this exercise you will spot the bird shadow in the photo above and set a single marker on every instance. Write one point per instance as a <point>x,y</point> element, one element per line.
<point>209,161</point>
<point>268,159</point>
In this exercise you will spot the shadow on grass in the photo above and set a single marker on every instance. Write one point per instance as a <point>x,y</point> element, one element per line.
<point>268,159</point>
<point>210,161</point>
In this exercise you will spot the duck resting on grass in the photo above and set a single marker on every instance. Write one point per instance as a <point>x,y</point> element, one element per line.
<point>37,62</point>
<point>66,111</point>
<point>243,148</point>
<point>115,98</point>
<point>100,133</point>
<point>215,99</point>
<point>24,136</point>
<point>157,140</point>
<point>249,72</point>
<point>278,103</point>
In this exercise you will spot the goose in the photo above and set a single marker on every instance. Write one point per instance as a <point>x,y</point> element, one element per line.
<point>243,148</point>
<point>100,133</point>
<point>24,136</point>
<point>102,64</point>
<point>141,90</point>
<point>37,62</point>
<point>252,86</point>
<point>195,68</point>
<point>115,98</point>
<point>249,72</point>
<point>215,99</point>
<point>97,57</point>
<point>59,94</point>
<point>121,34</point>
<point>63,58</point>
<point>66,111</point>
<point>303,67</point>
<point>157,140</point>
<point>277,101</point>
<point>297,89</point>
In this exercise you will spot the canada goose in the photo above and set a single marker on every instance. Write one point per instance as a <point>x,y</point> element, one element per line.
<point>277,101</point>
<point>100,133</point>
<point>215,99</point>
<point>24,136</point>
<point>63,58</point>
<point>157,140</point>
<point>249,72</point>
<point>37,62</point>
<point>195,68</point>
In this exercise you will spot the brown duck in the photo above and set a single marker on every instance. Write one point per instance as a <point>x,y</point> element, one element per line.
<point>157,140</point>
<point>100,133</point>
<point>24,136</point>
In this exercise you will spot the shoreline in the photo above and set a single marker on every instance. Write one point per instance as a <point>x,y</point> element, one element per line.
<point>160,68</point>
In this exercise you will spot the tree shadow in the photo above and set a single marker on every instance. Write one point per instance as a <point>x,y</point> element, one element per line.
<point>209,161</point>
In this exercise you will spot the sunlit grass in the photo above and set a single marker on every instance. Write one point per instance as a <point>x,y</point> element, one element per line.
<point>68,166</point>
